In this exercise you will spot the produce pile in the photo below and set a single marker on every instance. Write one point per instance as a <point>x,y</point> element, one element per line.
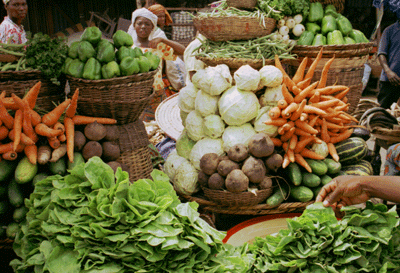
<point>324,26</point>
<point>94,58</point>
<point>364,240</point>
<point>40,52</point>
<point>93,220</point>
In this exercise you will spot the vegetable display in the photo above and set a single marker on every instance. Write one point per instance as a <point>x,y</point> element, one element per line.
<point>94,58</point>
<point>100,222</point>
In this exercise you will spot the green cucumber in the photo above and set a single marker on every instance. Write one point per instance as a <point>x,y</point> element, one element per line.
<point>318,167</point>
<point>294,173</point>
<point>311,180</point>
<point>325,179</point>
<point>277,197</point>
<point>78,159</point>
<point>25,171</point>
<point>7,167</point>
<point>301,193</point>
<point>333,166</point>
<point>58,167</point>
<point>15,194</point>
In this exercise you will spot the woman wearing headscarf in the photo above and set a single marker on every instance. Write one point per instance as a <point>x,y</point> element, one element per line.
<point>164,19</point>
<point>144,24</point>
<point>11,29</point>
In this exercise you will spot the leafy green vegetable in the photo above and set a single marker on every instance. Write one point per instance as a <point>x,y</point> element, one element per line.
<point>93,221</point>
<point>47,55</point>
<point>365,240</point>
<point>283,8</point>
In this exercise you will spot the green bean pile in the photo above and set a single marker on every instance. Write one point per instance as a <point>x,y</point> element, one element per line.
<point>16,50</point>
<point>259,48</point>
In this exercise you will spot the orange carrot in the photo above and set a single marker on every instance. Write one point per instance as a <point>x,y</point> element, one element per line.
<point>293,142</point>
<point>62,138</point>
<point>44,130</point>
<point>342,136</point>
<point>59,126</point>
<point>31,153</point>
<point>3,132</point>
<point>302,143</point>
<point>285,161</point>
<point>286,94</point>
<point>24,139</point>
<point>274,112</point>
<point>290,154</point>
<point>310,154</point>
<point>10,155</point>
<point>10,104</point>
<point>315,97</point>
<point>24,105</point>
<point>298,76</point>
<point>3,95</point>
<point>342,94</point>
<point>281,130</point>
<point>35,117</point>
<point>289,110</point>
<point>5,117</point>
<point>18,119</point>
<point>69,133</point>
<point>313,66</point>
<point>54,142</point>
<point>71,111</point>
<point>304,83</point>
<point>20,148</point>
<point>325,104</point>
<point>313,120</point>
<point>296,114</point>
<point>306,127</point>
<point>277,142</point>
<point>27,125</point>
<point>32,94</point>
<point>333,152</point>
<point>343,107</point>
<point>345,99</point>
<point>278,65</point>
<point>289,83</point>
<point>301,132</point>
<point>305,93</point>
<point>276,122</point>
<point>333,89</point>
<point>52,117</point>
<point>303,116</point>
<point>309,109</point>
<point>4,148</point>
<point>288,134</point>
<point>83,120</point>
<point>296,90</point>
<point>282,103</point>
<point>299,159</point>
<point>324,73</point>
<point>324,131</point>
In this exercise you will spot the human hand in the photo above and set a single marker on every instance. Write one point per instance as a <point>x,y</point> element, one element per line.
<point>154,42</point>
<point>393,78</point>
<point>343,191</point>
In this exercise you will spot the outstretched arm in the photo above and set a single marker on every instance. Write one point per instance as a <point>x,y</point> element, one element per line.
<point>178,48</point>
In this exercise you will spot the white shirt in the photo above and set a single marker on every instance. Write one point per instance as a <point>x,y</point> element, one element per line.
<point>10,29</point>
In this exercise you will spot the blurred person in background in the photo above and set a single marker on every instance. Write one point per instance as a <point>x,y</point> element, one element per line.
<point>11,29</point>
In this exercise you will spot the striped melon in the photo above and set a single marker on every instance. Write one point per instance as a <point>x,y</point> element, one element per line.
<point>351,150</point>
<point>362,167</point>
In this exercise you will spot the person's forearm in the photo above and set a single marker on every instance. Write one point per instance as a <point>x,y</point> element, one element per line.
<point>383,187</point>
<point>383,62</point>
<point>178,48</point>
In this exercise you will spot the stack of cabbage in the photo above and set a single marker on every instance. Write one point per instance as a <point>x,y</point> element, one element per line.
<point>217,114</point>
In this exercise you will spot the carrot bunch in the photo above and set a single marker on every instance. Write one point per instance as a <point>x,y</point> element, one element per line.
<point>25,127</point>
<point>310,113</point>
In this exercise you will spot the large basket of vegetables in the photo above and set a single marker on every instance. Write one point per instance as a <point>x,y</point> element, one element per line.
<point>228,28</point>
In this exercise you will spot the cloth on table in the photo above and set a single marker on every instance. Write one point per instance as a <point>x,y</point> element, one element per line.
<point>166,146</point>
<point>392,163</point>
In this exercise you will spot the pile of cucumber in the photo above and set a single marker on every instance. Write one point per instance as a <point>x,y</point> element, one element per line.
<point>17,181</point>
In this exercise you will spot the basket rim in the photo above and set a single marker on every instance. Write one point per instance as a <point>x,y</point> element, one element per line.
<point>135,78</point>
<point>333,47</point>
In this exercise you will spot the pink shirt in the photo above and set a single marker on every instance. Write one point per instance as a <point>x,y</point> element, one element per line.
<point>9,29</point>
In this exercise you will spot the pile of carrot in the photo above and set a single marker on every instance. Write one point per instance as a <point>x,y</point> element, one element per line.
<point>22,128</point>
<point>310,113</point>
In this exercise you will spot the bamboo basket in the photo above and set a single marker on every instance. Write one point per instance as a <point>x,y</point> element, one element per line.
<point>121,98</point>
<point>231,199</point>
<point>242,4</point>
<point>354,96</point>
<point>339,51</point>
<point>339,4</point>
<point>235,63</point>
<point>228,28</point>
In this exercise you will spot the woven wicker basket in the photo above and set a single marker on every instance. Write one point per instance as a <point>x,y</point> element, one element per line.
<point>242,4</point>
<point>347,76</point>
<point>122,98</point>
<point>340,51</point>
<point>19,82</point>
<point>233,27</point>
<point>258,209</point>
<point>339,4</point>
<point>354,96</point>
<point>231,199</point>
<point>135,153</point>
<point>235,63</point>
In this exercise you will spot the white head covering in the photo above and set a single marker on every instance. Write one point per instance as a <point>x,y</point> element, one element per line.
<point>143,12</point>
<point>6,1</point>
